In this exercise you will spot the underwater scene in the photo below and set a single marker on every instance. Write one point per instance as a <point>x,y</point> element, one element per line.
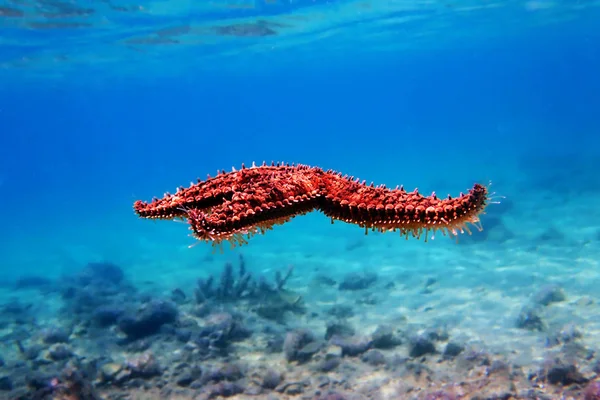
<point>300,199</point>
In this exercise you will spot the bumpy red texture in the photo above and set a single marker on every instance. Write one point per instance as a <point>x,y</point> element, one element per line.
<point>235,205</point>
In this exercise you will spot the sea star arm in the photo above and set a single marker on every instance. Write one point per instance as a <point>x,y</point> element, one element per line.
<point>200,196</point>
<point>382,209</point>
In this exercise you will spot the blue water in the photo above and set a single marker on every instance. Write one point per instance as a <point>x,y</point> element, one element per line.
<point>126,102</point>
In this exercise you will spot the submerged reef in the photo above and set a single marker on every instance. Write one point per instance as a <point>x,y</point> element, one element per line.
<point>236,205</point>
<point>242,335</point>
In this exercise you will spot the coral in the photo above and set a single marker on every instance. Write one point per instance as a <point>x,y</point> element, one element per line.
<point>237,205</point>
<point>270,299</point>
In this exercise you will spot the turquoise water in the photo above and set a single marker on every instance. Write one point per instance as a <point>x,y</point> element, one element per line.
<point>106,103</point>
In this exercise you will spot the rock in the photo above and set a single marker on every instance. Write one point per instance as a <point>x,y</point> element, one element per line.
<point>549,294</point>
<point>306,352</point>
<point>224,389</point>
<point>452,350</point>
<point>294,389</point>
<point>329,363</point>
<point>148,320</point>
<point>385,337</point>
<point>563,374</point>
<point>294,341</point>
<point>105,316</point>
<point>227,372</point>
<point>529,318</point>
<point>185,379</point>
<point>420,346</point>
<point>358,281</point>
<point>6,383</point>
<point>54,335</point>
<point>353,346</point>
<point>60,351</point>
<point>373,357</point>
<point>33,282</point>
<point>271,379</point>
<point>143,366</point>
<point>101,272</point>
<point>341,311</point>
<point>338,329</point>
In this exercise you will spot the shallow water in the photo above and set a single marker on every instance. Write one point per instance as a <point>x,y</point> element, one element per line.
<point>106,103</point>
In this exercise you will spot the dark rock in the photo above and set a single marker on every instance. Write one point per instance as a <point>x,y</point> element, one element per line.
<point>353,346</point>
<point>178,296</point>
<point>32,352</point>
<point>549,294</point>
<point>33,282</point>
<point>331,396</point>
<point>271,379</point>
<point>373,357</point>
<point>202,310</point>
<point>59,352</point>
<point>275,344</point>
<point>437,334</point>
<point>184,379</point>
<point>564,375</point>
<point>14,308</point>
<point>338,329</point>
<point>420,346</point>
<point>341,311</point>
<point>323,381</point>
<point>38,380</point>
<point>294,341</point>
<point>6,383</point>
<point>183,335</point>
<point>358,281</point>
<point>227,372</point>
<point>148,320</point>
<point>307,351</point>
<point>452,350</point>
<point>529,318</point>
<point>294,389</point>
<point>105,316</point>
<point>224,389</point>
<point>329,364</point>
<point>101,272</point>
<point>385,337</point>
<point>55,335</point>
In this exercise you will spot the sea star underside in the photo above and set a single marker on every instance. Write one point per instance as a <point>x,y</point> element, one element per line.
<point>233,206</point>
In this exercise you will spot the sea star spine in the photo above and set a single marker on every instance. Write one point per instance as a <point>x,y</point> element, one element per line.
<point>235,205</point>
